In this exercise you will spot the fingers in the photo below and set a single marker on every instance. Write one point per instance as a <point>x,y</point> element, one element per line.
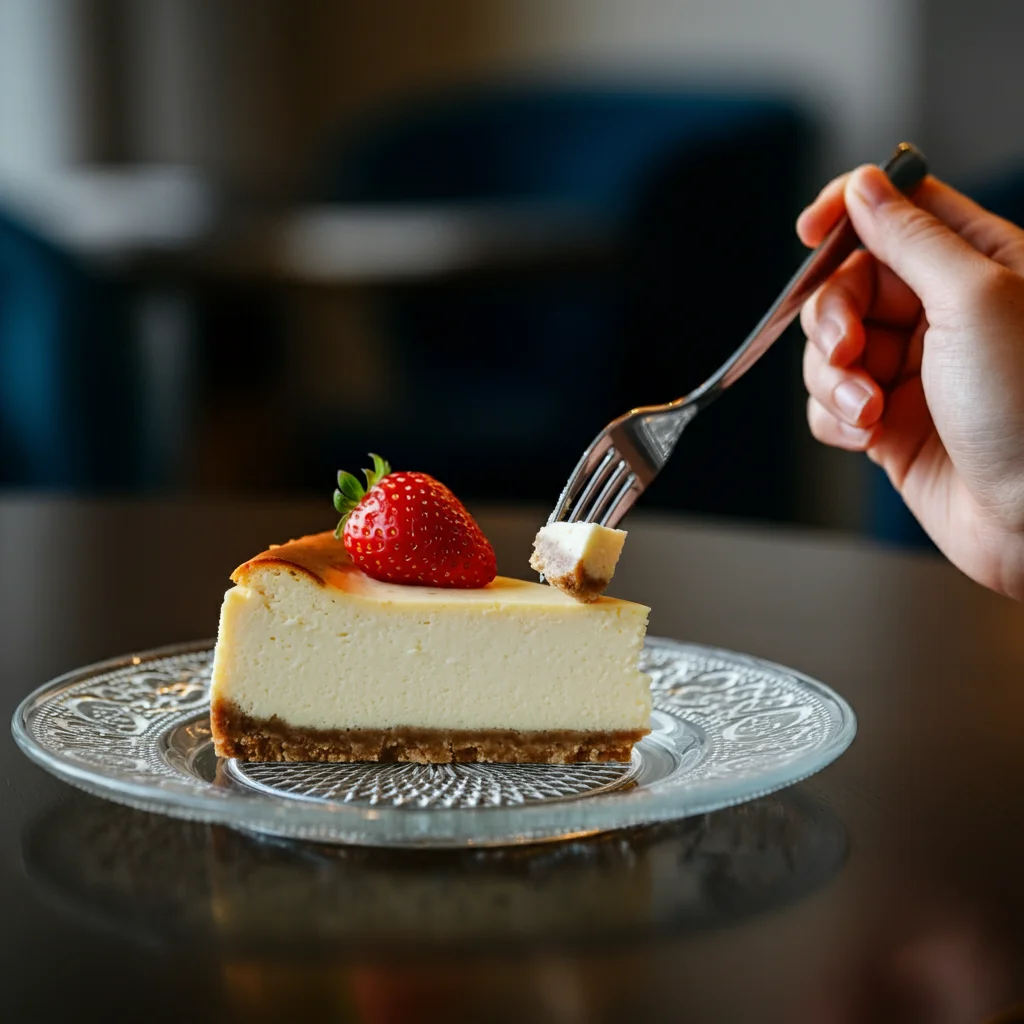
<point>906,443</point>
<point>922,250</point>
<point>832,318</point>
<point>848,395</point>
<point>992,236</point>
<point>834,432</point>
<point>820,217</point>
<point>887,355</point>
<point>862,289</point>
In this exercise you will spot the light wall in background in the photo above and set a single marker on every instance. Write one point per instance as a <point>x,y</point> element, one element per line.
<point>854,64</point>
<point>973,84</point>
<point>42,120</point>
<point>244,89</point>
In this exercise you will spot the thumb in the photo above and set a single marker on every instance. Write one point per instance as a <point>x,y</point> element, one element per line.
<point>922,250</point>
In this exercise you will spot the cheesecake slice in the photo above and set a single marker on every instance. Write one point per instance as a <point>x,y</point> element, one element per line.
<point>316,661</point>
<point>578,558</point>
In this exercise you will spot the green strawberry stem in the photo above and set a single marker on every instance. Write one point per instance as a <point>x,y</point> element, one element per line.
<point>350,491</point>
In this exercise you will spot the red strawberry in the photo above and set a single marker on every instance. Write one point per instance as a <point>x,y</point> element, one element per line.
<point>409,528</point>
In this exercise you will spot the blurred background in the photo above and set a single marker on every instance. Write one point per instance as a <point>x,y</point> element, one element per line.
<point>242,243</point>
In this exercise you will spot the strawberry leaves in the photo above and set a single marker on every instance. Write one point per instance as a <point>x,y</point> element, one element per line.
<point>350,491</point>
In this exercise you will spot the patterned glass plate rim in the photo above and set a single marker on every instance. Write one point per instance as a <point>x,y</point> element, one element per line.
<point>726,728</point>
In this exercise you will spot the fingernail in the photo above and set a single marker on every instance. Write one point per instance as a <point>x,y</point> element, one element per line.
<point>850,398</point>
<point>830,333</point>
<point>856,434</point>
<point>871,186</point>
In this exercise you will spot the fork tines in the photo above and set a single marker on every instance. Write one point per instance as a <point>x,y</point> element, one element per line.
<point>601,483</point>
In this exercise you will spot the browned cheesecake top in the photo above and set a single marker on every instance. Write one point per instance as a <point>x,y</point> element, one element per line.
<point>319,555</point>
<point>325,561</point>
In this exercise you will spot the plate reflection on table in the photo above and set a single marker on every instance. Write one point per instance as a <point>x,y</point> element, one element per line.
<point>156,879</point>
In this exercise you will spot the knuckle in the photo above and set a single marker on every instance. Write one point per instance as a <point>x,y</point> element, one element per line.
<point>817,420</point>
<point>837,297</point>
<point>811,368</point>
<point>1011,253</point>
<point>807,316</point>
<point>995,287</point>
<point>819,379</point>
<point>914,226</point>
<point>810,312</point>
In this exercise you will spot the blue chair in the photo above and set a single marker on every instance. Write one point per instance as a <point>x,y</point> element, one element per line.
<point>1003,194</point>
<point>69,396</point>
<point>696,191</point>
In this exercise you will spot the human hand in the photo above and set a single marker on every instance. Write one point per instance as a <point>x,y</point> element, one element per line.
<point>915,355</point>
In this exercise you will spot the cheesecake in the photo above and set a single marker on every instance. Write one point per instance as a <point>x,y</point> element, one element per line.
<point>578,558</point>
<point>318,661</point>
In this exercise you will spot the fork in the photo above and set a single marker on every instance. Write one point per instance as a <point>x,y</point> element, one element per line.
<point>626,456</point>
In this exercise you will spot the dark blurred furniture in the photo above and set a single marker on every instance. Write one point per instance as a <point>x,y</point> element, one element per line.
<point>537,260</point>
<point>1002,193</point>
<point>69,388</point>
<point>500,379</point>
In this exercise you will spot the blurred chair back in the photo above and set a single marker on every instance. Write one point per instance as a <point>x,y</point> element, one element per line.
<point>536,364</point>
<point>68,387</point>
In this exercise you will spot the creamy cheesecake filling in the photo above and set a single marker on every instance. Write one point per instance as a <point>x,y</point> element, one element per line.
<point>316,661</point>
<point>422,659</point>
<point>578,558</point>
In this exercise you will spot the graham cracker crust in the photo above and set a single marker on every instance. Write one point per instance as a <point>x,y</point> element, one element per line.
<point>236,734</point>
<point>580,585</point>
<point>576,582</point>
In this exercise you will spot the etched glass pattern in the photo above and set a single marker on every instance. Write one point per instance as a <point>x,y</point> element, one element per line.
<point>725,728</point>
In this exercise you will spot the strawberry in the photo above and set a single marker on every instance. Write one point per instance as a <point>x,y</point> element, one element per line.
<point>409,528</point>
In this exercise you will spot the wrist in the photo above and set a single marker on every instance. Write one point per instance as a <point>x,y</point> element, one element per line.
<point>1012,583</point>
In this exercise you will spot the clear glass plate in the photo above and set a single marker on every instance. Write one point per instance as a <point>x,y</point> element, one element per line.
<point>726,728</point>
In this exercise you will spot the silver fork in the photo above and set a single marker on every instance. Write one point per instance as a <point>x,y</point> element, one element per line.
<point>626,456</point>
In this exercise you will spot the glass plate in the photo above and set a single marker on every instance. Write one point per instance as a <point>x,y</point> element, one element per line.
<point>726,728</point>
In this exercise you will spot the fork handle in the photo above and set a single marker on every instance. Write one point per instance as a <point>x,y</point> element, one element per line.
<point>906,169</point>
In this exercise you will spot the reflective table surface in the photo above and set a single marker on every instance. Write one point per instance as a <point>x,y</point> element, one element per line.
<point>886,888</point>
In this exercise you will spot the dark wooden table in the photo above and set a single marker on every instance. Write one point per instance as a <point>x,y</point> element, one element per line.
<point>889,887</point>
